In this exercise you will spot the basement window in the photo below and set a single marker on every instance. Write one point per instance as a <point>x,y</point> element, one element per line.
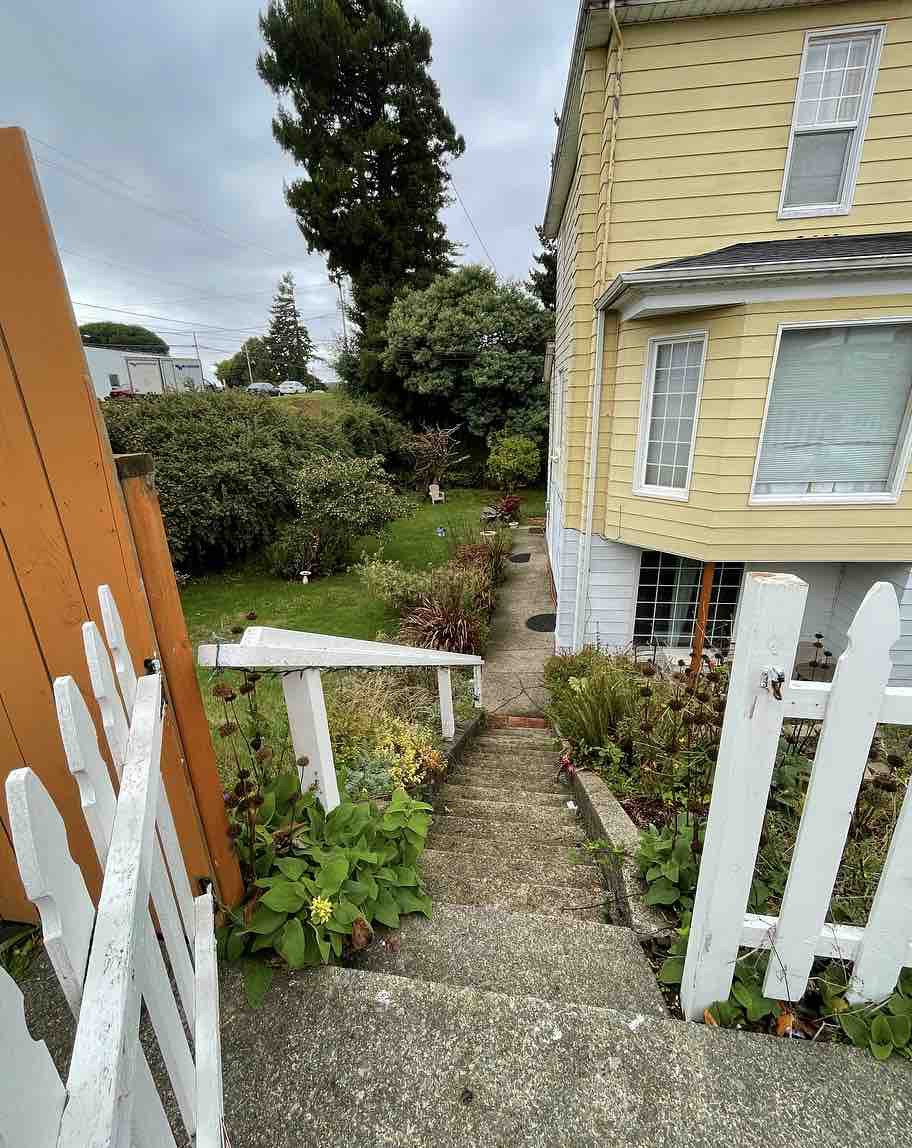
<point>835,87</point>
<point>837,423</point>
<point>668,416</point>
<point>667,596</point>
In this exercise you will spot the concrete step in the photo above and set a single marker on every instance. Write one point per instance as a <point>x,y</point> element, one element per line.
<point>480,866</point>
<point>491,846</point>
<point>517,757</point>
<point>456,790</point>
<point>519,895</point>
<point>517,780</point>
<point>405,1062</point>
<point>530,816</point>
<point>508,833</point>
<point>532,740</point>
<point>514,953</point>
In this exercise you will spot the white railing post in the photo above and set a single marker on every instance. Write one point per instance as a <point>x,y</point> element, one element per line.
<point>310,734</point>
<point>856,695</point>
<point>32,1095</point>
<point>477,672</point>
<point>445,693</point>
<point>769,625</point>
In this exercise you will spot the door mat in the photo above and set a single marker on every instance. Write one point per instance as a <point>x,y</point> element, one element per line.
<point>542,623</point>
<point>520,557</point>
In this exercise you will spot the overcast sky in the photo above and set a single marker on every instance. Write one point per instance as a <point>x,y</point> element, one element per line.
<point>152,134</point>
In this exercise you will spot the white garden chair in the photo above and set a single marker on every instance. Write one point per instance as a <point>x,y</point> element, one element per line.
<point>108,960</point>
<point>437,495</point>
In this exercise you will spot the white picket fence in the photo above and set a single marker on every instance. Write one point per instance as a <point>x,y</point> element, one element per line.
<point>760,698</point>
<point>301,656</point>
<point>109,960</point>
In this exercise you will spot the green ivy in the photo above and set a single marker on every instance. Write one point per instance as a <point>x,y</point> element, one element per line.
<point>320,881</point>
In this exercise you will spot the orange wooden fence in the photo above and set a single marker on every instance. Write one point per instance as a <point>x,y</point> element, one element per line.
<point>65,530</point>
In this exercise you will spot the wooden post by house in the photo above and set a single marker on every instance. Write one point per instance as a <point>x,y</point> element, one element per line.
<point>699,639</point>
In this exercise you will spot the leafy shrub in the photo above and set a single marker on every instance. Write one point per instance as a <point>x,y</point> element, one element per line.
<point>670,861</point>
<point>338,500</point>
<point>514,461</point>
<point>369,431</point>
<point>594,708</point>
<point>391,582</point>
<point>224,467</point>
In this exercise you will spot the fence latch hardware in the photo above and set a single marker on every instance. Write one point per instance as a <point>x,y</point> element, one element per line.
<point>152,665</point>
<point>772,679</point>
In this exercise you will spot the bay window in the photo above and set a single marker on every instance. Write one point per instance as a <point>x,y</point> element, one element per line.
<point>835,87</point>
<point>837,421</point>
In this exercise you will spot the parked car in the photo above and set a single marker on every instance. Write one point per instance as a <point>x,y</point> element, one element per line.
<point>265,389</point>
<point>121,393</point>
<point>292,387</point>
<point>212,385</point>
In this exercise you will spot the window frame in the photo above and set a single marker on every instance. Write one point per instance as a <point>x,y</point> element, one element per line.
<point>640,486</point>
<point>902,455</point>
<point>850,179</point>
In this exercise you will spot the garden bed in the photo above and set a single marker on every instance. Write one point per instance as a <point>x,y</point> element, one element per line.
<point>651,737</point>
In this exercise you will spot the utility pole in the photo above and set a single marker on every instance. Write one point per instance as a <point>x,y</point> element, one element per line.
<point>198,359</point>
<point>249,368</point>
<point>342,309</point>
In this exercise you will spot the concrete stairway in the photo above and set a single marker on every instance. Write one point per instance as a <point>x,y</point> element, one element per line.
<point>516,1018</point>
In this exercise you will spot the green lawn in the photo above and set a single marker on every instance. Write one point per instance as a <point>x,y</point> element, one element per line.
<point>337,605</point>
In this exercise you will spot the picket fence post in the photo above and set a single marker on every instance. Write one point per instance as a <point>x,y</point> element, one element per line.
<point>766,642</point>
<point>856,696</point>
<point>32,1095</point>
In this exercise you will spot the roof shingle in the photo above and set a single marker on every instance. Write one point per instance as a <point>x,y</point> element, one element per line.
<point>795,250</point>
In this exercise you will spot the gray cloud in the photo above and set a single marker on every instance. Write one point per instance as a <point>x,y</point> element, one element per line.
<point>165,186</point>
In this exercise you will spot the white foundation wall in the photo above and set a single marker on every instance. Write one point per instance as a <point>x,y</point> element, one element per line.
<point>836,590</point>
<point>614,571</point>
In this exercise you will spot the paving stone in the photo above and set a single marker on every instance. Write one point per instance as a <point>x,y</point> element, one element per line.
<point>480,866</point>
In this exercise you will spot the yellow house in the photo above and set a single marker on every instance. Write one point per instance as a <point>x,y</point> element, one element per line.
<point>731,379</point>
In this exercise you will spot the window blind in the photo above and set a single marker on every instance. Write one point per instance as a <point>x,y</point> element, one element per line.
<point>837,409</point>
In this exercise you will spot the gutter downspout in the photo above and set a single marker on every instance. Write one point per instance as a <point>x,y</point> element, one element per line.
<point>580,613</point>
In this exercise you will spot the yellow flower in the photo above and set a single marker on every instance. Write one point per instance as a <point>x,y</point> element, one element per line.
<point>321,909</point>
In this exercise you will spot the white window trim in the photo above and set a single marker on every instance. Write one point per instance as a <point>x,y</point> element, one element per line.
<point>903,454</point>
<point>640,486</point>
<point>854,160</point>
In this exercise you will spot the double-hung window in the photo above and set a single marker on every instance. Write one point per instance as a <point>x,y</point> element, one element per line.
<point>838,72</point>
<point>668,415</point>
<point>837,425</point>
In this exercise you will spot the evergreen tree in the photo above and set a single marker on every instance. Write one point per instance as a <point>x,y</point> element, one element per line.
<point>288,342</point>
<point>362,115</point>
<point>542,281</point>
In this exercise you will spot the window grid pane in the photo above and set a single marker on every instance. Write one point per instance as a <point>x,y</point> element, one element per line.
<point>667,596</point>
<point>676,379</point>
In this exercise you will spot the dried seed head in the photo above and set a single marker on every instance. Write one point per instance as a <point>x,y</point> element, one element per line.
<point>237,629</point>
<point>251,615</point>
<point>645,692</point>
<point>303,761</point>
<point>224,692</point>
<point>264,754</point>
<point>246,688</point>
<point>243,773</point>
<point>676,705</point>
<point>253,676</point>
<point>895,760</point>
<point>648,670</point>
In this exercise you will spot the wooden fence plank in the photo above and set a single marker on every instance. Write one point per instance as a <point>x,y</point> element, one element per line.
<point>176,654</point>
<point>861,676</point>
<point>769,625</point>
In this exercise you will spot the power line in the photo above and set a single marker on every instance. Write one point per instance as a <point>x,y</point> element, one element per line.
<point>188,323</point>
<point>474,228</point>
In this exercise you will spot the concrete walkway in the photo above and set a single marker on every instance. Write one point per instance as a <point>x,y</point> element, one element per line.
<point>516,655</point>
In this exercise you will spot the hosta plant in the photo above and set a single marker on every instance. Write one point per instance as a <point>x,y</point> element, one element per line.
<point>318,882</point>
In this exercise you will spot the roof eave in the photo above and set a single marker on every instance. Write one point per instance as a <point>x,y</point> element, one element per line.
<point>747,273</point>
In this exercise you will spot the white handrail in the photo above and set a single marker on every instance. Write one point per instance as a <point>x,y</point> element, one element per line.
<point>301,656</point>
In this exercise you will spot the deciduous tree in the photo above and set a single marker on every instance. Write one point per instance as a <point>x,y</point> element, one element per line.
<point>126,335</point>
<point>470,348</point>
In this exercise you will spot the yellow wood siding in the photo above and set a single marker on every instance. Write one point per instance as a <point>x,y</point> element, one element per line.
<point>703,131</point>
<point>717,520</point>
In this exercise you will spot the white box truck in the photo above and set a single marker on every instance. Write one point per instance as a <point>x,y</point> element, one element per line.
<point>113,369</point>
